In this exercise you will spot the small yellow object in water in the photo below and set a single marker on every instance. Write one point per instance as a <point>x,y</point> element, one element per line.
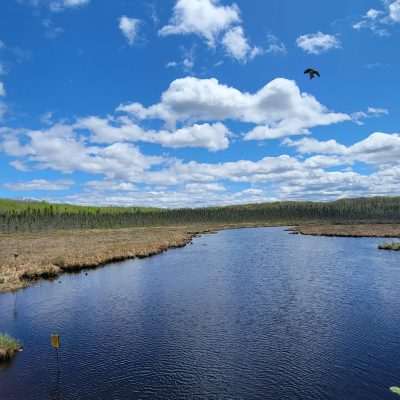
<point>55,341</point>
<point>395,389</point>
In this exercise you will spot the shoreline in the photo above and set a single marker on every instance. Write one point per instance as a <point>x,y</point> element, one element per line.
<point>351,230</point>
<point>28,258</point>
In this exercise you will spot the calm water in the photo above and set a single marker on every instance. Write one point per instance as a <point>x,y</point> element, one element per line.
<point>244,314</point>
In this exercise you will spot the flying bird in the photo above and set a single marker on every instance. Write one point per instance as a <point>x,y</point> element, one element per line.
<point>312,73</point>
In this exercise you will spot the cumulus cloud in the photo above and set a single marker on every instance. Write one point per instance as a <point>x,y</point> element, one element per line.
<point>61,149</point>
<point>310,145</point>
<point>176,198</point>
<point>378,148</point>
<point>129,28</point>
<point>317,43</point>
<point>204,188</point>
<point>215,23</point>
<point>394,11</point>
<point>40,184</point>
<point>210,136</point>
<point>279,108</point>
<point>130,177</point>
<point>282,177</point>
<point>205,18</point>
<point>110,186</point>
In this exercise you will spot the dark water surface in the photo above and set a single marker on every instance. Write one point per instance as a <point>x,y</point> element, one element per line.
<point>243,314</point>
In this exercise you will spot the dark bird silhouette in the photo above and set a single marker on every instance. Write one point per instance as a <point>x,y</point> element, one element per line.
<point>312,73</point>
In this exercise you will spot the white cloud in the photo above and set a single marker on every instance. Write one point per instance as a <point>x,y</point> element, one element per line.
<point>204,188</point>
<point>40,184</point>
<point>237,45</point>
<point>394,11</point>
<point>133,178</point>
<point>61,149</point>
<point>205,18</point>
<point>213,137</point>
<point>371,112</point>
<point>56,5</point>
<point>60,5</point>
<point>215,23</point>
<point>378,148</point>
<point>310,145</point>
<point>110,186</point>
<point>373,20</point>
<point>171,64</point>
<point>129,28</point>
<point>2,90</point>
<point>279,107</point>
<point>378,21</point>
<point>317,43</point>
<point>175,198</point>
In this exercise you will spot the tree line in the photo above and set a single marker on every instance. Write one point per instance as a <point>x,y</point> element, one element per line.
<point>29,216</point>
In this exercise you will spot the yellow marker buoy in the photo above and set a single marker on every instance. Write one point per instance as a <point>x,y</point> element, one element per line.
<point>55,341</point>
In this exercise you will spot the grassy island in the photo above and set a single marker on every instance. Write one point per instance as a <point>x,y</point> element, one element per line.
<point>8,347</point>
<point>390,246</point>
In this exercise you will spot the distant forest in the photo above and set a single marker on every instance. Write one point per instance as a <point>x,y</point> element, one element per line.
<point>29,216</point>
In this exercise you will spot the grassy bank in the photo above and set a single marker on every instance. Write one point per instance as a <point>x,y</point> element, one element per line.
<point>26,258</point>
<point>351,230</point>
<point>8,347</point>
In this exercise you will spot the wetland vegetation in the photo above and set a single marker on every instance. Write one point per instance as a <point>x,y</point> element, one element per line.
<point>8,347</point>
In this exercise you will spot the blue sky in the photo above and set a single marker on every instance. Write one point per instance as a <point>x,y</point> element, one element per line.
<point>198,102</point>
